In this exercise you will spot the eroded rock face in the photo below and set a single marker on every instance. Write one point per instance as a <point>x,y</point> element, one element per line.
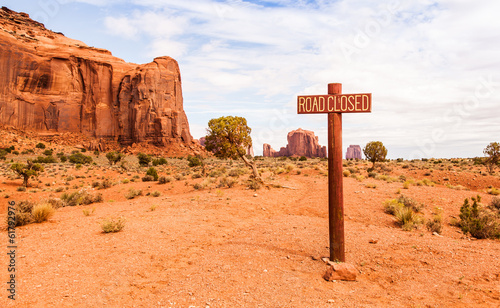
<point>300,143</point>
<point>353,152</point>
<point>52,83</point>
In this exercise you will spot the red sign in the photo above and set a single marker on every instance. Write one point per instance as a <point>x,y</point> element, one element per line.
<point>340,103</point>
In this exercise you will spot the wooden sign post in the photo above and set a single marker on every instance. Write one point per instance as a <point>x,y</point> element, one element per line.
<point>335,103</point>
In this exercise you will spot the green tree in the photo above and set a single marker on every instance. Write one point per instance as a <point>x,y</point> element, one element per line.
<point>229,137</point>
<point>492,151</point>
<point>114,157</point>
<point>27,171</point>
<point>375,151</point>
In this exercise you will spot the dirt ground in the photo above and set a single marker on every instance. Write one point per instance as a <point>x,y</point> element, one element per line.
<point>238,247</point>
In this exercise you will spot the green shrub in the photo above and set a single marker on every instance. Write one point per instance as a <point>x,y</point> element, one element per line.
<point>159,161</point>
<point>112,225</point>
<point>153,173</point>
<point>63,159</point>
<point>194,161</point>
<point>48,152</point>
<point>480,222</point>
<point>45,160</point>
<point>40,146</point>
<point>79,158</point>
<point>114,157</point>
<point>144,159</point>
<point>494,191</point>
<point>302,158</point>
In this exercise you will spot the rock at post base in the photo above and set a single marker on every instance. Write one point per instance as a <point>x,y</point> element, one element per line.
<point>341,271</point>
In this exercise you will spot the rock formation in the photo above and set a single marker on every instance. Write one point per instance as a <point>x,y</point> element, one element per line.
<point>300,143</point>
<point>353,152</point>
<point>50,83</point>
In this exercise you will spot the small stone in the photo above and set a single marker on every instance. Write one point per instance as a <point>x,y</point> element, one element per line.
<point>325,259</point>
<point>341,271</point>
<point>330,301</point>
<point>255,195</point>
<point>436,234</point>
<point>372,241</point>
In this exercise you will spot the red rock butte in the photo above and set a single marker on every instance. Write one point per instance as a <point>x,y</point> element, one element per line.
<point>353,152</point>
<point>300,143</point>
<point>51,83</point>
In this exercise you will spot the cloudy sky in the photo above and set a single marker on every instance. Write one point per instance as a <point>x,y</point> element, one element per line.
<point>433,67</point>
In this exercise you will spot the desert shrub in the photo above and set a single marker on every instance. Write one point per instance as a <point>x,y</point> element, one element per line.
<point>88,212</point>
<point>148,178</point>
<point>112,225</point>
<point>494,191</point>
<point>198,186</point>
<point>346,173</point>
<point>390,206</point>
<point>42,212</point>
<point>254,184</point>
<point>302,158</point>
<point>410,203</point>
<point>179,177</point>
<point>159,161</point>
<point>114,157</point>
<point>21,188</point>
<point>40,146</point>
<point>372,174</point>
<point>144,159</point>
<point>194,161</point>
<point>3,154</point>
<point>23,213</point>
<point>480,222</point>
<point>236,172</point>
<point>79,158</point>
<point>132,193</point>
<point>156,193</point>
<point>164,180</point>
<point>196,175</point>
<point>48,152</point>
<point>81,197</point>
<point>63,159</point>
<point>435,224</point>
<point>152,172</point>
<point>106,183</point>
<point>495,203</point>
<point>226,182</point>
<point>45,160</point>
<point>15,152</point>
<point>407,218</point>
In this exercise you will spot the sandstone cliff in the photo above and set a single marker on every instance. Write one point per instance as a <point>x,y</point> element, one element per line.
<point>50,83</point>
<point>353,152</point>
<point>300,143</point>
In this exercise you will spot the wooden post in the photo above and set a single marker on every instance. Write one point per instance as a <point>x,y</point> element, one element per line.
<point>335,187</point>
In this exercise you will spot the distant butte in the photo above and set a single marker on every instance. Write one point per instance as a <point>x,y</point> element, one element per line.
<point>300,143</point>
<point>353,152</point>
<point>53,84</point>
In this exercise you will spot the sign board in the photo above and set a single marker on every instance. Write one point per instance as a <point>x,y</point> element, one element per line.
<point>340,103</point>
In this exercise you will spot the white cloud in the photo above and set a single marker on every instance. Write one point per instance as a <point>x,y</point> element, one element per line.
<point>424,61</point>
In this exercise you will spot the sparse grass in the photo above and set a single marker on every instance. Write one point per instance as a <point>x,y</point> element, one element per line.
<point>153,207</point>
<point>42,212</point>
<point>219,193</point>
<point>88,212</point>
<point>436,223</point>
<point>403,210</point>
<point>112,225</point>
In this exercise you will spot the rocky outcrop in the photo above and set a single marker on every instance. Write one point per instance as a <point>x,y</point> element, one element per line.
<point>50,83</point>
<point>353,152</point>
<point>300,143</point>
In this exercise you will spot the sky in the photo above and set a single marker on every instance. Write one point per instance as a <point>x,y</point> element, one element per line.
<point>433,67</point>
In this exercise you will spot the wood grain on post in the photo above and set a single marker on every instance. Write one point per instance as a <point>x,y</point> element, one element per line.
<point>335,186</point>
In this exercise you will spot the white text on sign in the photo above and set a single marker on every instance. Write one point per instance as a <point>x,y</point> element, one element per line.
<point>341,103</point>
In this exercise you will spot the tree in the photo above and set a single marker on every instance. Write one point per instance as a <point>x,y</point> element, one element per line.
<point>375,151</point>
<point>229,137</point>
<point>493,153</point>
<point>27,171</point>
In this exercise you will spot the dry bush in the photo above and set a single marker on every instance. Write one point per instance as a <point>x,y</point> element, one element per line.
<point>112,225</point>
<point>42,212</point>
<point>82,197</point>
<point>132,193</point>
